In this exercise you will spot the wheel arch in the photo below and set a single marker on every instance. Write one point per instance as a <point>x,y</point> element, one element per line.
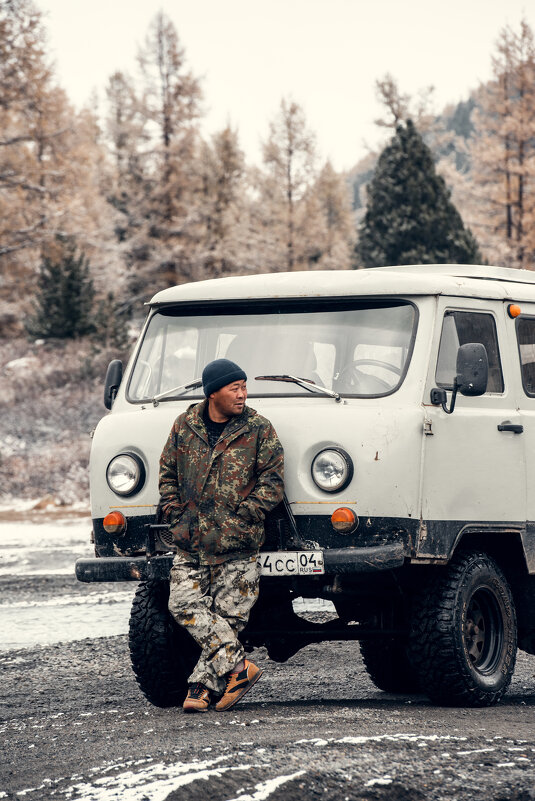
<point>504,546</point>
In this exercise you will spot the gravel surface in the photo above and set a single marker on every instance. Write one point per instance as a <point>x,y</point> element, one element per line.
<point>74,725</point>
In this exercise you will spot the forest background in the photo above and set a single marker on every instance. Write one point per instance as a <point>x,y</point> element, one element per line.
<point>108,205</point>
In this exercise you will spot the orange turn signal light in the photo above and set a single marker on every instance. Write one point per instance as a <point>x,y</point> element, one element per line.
<point>514,310</point>
<point>114,523</point>
<point>344,520</point>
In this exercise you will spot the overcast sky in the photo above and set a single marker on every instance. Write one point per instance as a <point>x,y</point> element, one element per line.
<point>325,54</point>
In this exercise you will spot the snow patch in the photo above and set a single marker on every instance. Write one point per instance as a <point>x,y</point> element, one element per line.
<point>22,364</point>
<point>314,741</point>
<point>17,505</point>
<point>401,737</point>
<point>155,782</point>
<point>312,605</point>
<point>411,738</point>
<point>264,789</point>
<point>383,780</point>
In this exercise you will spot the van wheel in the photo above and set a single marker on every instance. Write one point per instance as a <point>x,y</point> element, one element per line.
<point>388,666</point>
<point>463,633</point>
<point>162,654</point>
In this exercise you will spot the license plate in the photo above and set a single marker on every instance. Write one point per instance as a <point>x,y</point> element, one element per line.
<point>291,563</point>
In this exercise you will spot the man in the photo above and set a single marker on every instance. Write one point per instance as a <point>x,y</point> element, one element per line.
<point>221,471</point>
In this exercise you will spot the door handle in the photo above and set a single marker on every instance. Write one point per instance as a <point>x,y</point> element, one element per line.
<point>508,426</point>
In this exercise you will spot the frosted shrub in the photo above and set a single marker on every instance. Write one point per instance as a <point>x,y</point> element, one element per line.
<point>50,400</point>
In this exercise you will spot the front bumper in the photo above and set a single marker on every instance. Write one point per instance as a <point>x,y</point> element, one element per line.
<point>141,568</point>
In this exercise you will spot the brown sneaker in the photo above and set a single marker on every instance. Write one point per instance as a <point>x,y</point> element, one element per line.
<point>197,699</point>
<point>238,684</point>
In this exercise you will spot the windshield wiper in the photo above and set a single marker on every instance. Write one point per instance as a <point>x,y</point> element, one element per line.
<point>178,391</point>
<point>307,383</point>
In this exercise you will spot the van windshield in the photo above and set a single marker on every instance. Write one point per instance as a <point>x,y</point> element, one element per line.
<point>353,348</point>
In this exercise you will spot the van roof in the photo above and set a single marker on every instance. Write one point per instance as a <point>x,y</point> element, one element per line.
<point>429,279</point>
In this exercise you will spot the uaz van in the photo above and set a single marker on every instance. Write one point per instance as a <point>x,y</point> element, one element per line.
<point>405,401</point>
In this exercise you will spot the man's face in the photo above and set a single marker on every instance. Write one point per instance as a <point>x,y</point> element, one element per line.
<point>229,401</point>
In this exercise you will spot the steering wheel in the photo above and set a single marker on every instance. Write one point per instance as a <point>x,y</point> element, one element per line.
<point>354,376</point>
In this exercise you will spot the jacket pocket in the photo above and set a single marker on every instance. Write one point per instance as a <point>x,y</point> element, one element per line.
<point>180,527</point>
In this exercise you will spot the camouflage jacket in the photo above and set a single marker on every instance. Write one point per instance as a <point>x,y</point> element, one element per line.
<point>215,500</point>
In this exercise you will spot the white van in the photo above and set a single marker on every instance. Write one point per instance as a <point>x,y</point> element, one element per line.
<point>405,401</point>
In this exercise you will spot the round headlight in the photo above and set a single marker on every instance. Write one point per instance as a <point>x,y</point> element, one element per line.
<point>125,474</point>
<point>332,469</point>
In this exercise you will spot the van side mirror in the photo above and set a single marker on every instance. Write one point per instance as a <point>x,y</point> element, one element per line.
<point>114,375</point>
<point>472,369</point>
<point>472,375</point>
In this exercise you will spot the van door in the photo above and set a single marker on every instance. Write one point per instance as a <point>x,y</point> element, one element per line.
<point>473,465</point>
<point>523,355</point>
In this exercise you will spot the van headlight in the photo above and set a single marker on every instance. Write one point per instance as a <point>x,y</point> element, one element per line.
<point>125,474</point>
<point>332,469</point>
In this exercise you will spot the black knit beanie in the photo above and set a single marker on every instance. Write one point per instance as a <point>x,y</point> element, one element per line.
<point>219,373</point>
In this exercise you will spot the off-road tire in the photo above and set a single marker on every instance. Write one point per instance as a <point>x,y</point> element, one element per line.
<point>388,666</point>
<point>162,653</point>
<point>463,636</point>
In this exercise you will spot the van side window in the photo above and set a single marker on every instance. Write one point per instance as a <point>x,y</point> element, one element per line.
<point>459,328</point>
<point>525,332</point>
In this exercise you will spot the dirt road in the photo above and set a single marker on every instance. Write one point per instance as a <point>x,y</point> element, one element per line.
<point>74,726</point>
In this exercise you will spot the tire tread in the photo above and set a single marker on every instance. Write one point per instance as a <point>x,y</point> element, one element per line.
<point>433,647</point>
<point>161,654</point>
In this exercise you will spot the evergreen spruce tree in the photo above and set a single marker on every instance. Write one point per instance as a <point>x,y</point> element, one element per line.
<point>64,299</point>
<point>410,218</point>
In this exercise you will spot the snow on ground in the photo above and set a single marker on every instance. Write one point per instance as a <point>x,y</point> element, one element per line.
<point>32,549</point>
<point>48,548</point>
<point>27,624</point>
<point>138,781</point>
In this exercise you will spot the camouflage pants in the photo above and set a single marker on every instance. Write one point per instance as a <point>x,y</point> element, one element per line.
<point>213,603</point>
